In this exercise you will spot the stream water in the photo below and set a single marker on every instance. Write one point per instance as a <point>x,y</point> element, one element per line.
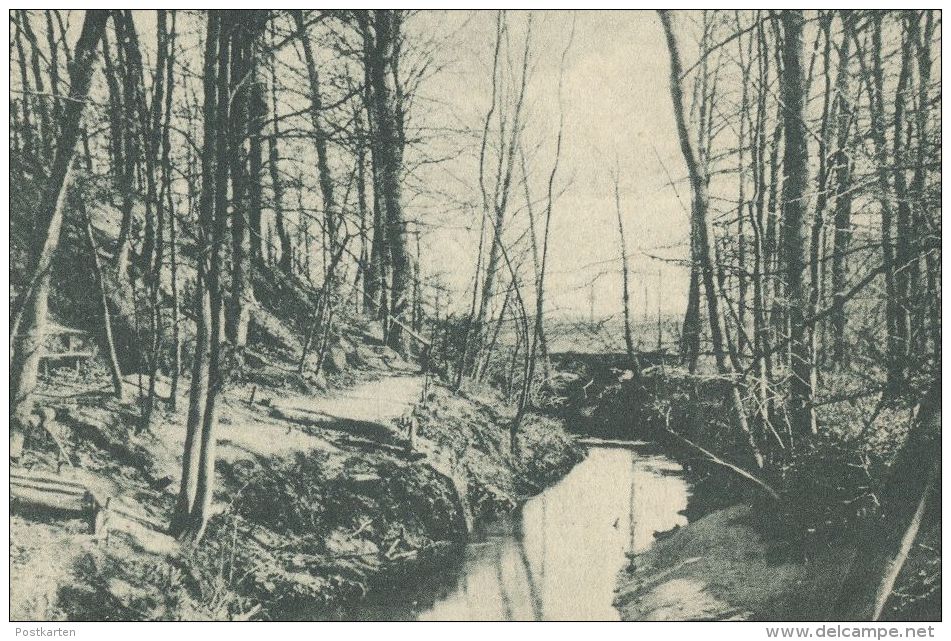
<point>557,558</point>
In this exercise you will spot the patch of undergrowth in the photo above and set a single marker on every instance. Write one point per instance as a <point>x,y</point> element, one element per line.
<point>830,483</point>
<point>475,427</point>
<point>119,583</point>
<point>307,536</point>
<point>547,453</point>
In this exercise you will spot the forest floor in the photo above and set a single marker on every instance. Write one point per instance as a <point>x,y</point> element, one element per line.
<point>729,563</point>
<point>318,497</point>
<point>722,567</point>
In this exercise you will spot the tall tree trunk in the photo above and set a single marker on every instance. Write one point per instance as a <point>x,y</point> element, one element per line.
<point>388,157</point>
<point>29,341</point>
<point>155,264</point>
<point>53,46</point>
<point>216,373</point>
<point>117,147</point>
<point>43,121</point>
<point>29,142</point>
<point>167,176</point>
<point>758,223</point>
<point>257,114</point>
<point>922,215</point>
<point>470,319</point>
<point>746,62</point>
<point>894,366</point>
<point>147,118</point>
<point>365,301</point>
<point>538,335</point>
<point>132,144</point>
<point>324,177</point>
<point>842,170</point>
<point>795,195</point>
<point>197,486</point>
<point>903,228</point>
<point>274,170</point>
<point>244,34</point>
<point>497,206</point>
<point>703,232</point>
<point>375,275</point>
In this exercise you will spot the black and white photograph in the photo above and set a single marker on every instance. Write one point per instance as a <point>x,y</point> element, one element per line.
<point>475,315</point>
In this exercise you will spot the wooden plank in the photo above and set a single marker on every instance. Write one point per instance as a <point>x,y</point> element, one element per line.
<point>61,355</point>
<point>40,475</point>
<point>52,500</point>
<point>47,486</point>
<point>591,441</point>
<point>55,329</point>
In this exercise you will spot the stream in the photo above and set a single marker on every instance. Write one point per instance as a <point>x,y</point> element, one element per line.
<point>558,557</point>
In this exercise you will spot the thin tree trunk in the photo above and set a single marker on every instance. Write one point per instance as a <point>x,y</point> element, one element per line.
<point>113,360</point>
<point>903,227</point>
<point>172,231</point>
<point>745,65</point>
<point>53,47</point>
<point>131,144</point>
<point>155,265</point>
<point>365,300</point>
<point>919,186</point>
<point>498,206</point>
<point>625,276</point>
<point>242,64</point>
<point>273,165</point>
<point>538,335</point>
<point>875,79</point>
<point>29,142</point>
<point>206,468</point>
<point>757,222</point>
<point>43,122</point>
<point>257,115</point>
<point>473,307</point>
<point>842,169</point>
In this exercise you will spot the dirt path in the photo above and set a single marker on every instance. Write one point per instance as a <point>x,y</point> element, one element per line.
<point>377,401</point>
<point>249,431</point>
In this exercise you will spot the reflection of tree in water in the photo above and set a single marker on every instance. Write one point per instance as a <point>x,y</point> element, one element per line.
<point>500,580</point>
<point>630,506</point>
<point>535,597</point>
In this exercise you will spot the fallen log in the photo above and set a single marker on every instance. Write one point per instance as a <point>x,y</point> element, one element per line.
<point>713,458</point>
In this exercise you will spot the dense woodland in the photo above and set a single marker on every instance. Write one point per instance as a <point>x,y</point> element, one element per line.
<point>173,173</point>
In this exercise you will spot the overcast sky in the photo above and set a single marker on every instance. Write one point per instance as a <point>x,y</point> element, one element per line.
<point>617,109</point>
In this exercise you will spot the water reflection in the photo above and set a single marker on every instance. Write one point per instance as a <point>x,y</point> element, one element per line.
<point>560,560</point>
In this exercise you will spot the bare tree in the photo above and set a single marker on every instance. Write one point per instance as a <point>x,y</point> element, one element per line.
<point>701,231</point>
<point>795,194</point>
